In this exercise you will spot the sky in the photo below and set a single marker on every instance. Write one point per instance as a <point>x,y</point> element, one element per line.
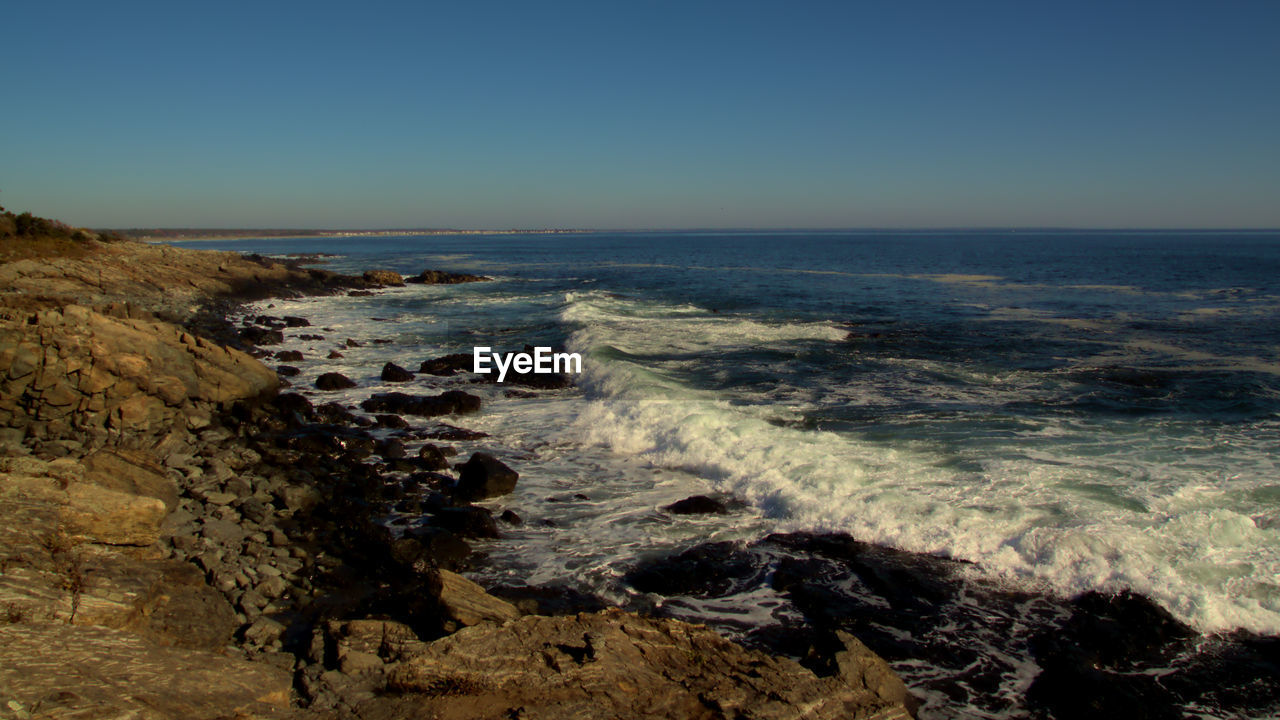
<point>642,114</point>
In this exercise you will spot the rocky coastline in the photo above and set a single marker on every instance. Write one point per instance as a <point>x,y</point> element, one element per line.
<point>182,537</point>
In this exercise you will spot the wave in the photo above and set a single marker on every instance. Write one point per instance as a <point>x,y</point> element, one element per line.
<point>1076,509</point>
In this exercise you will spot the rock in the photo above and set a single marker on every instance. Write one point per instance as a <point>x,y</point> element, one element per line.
<point>299,498</point>
<point>445,431</point>
<point>470,521</point>
<point>264,631</point>
<point>335,355</point>
<point>439,277</point>
<point>433,457</point>
<point>131,471</point>
<point>394,373</point>
<point>511,518</point>
<point>384,277</point>
<point>294,321</point>
<point>101,515</point>
<point>394,422</point>
<point>85,672</point>
<point>448,365</point>
<point>335,414</point>
<point>261,336</point>
<point>697,505</point>
<point>617,665</point>
<point>484,476</point>
<point>290,356</point>
<point>468,604</point>
<point>287,371</point>
<point>334,381</point>
<point>861,668</point>
<point>446,403</point>
<point>445,549</point>
<point>709,570</point>
<point>392,449</point>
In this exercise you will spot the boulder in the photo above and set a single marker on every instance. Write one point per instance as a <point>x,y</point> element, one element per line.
<point>484,476</point>
<point>392,372</point>
<point>433,458</point>
<point>469,521</point>
<point>468,604</point>
<point>334,381</point>
<point>448,365</point>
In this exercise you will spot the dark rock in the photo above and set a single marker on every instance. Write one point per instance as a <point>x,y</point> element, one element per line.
<point>709,570</point>
<point>393,449</point>
<point>444,431</point>
<point>511,518</point>
<point>439,277</point>
<point>444,548</point>
<point>484,476</point>
<point>1088,663</point>
<point>311,338</point>
<point>391,421</point>
<point>289,356</point>
<point>328,440</point>
<point>334,381</point>
<point>433,457</point>
<point>697,505</point>
<point>261,336</point>
<point>448,365</point>
<point>294,321</point>
<point>335,414</point>
<point>359,293</point>
<point>288,370</point>
<point>394,373</point>
<point>549,599</point>
<point>446,403</point>
<point>353,344</point>
<point>469,521</point>
<point>335,355</point>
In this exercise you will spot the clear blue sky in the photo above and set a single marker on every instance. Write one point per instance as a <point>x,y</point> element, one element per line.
<point>642,114</point>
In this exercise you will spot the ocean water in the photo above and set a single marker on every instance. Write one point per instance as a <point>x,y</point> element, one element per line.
<point>1065,411</point>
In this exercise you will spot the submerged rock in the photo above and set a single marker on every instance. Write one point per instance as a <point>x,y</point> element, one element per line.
<point>697,505</point>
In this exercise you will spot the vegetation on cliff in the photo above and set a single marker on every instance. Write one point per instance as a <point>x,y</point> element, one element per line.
<point>25,235</point>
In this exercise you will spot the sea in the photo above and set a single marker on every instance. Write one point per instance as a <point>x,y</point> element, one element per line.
<point>1062,411</point>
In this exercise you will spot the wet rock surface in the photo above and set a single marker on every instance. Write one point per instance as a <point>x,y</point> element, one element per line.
<point>1102,656</point>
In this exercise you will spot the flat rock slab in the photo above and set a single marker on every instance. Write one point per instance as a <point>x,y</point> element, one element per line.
<point>619,665</point>
<point>61,671</point>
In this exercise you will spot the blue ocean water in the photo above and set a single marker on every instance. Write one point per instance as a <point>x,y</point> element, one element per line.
<point>1070,411</point>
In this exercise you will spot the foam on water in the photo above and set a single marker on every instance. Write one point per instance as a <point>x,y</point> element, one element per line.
<point>1084,508</point>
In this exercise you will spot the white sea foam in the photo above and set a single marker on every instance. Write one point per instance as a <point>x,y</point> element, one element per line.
<point>1081,509</point>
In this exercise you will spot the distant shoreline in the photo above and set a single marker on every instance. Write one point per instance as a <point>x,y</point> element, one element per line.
<point>195,235</point>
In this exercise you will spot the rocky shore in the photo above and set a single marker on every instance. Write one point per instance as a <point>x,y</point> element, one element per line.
<point>181,537</point>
